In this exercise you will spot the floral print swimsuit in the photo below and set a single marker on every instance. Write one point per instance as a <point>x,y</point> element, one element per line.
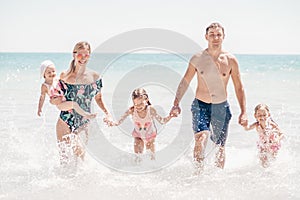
<point>268,139</point>
<point>83,95</point>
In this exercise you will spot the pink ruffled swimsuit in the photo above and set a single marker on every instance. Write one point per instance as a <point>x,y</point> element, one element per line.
<point>144,128</point>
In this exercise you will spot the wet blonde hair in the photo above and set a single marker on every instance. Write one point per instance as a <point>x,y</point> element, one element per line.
<point>265,107</point>
<point>261,106</point>
<point>140,93</point>
<point>77,47</point>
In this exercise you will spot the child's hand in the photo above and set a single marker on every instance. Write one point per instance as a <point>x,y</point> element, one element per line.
<point>175,111</point>
<point>108,120</point>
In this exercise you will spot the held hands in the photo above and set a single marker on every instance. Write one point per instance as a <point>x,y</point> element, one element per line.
<point>109,121</point>
<point>243,120</point>
<point>175,111</point>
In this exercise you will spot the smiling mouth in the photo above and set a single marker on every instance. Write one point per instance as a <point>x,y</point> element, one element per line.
<point>82,62</point>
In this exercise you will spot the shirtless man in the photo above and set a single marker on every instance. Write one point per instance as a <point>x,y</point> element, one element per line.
<point>213,67</point>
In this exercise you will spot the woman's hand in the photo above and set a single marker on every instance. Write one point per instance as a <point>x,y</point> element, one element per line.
<point>109,121</point>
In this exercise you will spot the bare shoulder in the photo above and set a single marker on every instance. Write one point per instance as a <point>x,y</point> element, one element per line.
<point>273,124</point>
<point>94,74</point>
<point>198,56</point>
<point>63,75</point>
<point>44,88</point>
<point>152,110</point>
<point>228,54</point>
<point>231,58</point>
<point>130,110</point>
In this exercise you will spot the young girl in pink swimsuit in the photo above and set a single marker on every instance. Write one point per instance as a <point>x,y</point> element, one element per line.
<point>269,133</point>
<point>142,113</point>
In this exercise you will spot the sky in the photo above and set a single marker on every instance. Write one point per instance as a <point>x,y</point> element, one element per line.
<point>251,26</point>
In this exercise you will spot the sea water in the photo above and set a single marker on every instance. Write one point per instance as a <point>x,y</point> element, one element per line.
<point>29,163</point>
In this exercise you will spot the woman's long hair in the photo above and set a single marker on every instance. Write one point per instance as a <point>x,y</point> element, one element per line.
<point>78,46</point>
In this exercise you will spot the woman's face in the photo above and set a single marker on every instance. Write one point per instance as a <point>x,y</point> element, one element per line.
<point>81,57</point>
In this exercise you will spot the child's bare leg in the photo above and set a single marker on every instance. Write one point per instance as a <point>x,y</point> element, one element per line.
<point>68,105</point>
<point>138,145</point>
<point>264,158</point>
<point>151,146</point>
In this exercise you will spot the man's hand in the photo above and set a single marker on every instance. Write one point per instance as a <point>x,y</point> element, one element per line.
<point>175,111</point>
<point>243,119</point>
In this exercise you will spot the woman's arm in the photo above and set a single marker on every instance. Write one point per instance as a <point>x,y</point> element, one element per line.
<point>100,103</point>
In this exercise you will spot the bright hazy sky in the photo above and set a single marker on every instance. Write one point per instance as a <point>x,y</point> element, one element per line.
<point>251,26</point>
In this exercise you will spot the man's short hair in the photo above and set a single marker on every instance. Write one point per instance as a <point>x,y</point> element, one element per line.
<point>215,25</point>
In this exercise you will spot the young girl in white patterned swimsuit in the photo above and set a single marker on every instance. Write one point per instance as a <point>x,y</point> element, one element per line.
<point>270,135</point>
<point>143,113</point>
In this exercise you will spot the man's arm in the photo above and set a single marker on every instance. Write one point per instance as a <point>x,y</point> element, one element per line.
<point>239,90</point>
<point>182,87</point>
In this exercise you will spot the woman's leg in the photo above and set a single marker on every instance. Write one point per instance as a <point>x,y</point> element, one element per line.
<point>67,141</point>
<point>62,129</point>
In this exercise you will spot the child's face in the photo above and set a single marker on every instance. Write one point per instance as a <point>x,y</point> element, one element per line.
<point>50,72</point>
<point>261,115</point>
<point>139,103</point>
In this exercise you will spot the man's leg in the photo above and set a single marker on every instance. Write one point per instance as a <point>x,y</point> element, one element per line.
<point>200,144</point>
<point>221,116</point>
<point>220,157</point>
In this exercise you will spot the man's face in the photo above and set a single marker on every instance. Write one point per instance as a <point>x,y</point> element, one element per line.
<point>215,36</point>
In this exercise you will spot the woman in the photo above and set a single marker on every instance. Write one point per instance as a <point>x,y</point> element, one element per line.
<point>81,85</point>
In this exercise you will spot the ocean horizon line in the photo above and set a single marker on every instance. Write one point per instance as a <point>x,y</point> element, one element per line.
<point>153,53</point>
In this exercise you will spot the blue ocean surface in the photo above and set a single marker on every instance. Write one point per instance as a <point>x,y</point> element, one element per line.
<point>30,167</point>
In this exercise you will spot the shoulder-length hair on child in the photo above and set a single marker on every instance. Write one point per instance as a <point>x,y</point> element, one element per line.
<point>140,93</point>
